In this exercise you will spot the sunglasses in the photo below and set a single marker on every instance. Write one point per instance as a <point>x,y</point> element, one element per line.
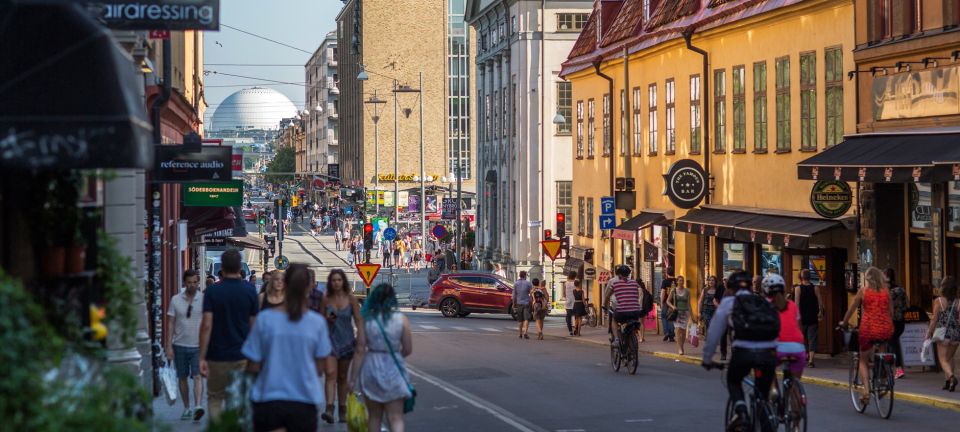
<point>189,310</point>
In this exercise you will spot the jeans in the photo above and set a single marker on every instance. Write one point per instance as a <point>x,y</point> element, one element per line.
<point>741,362</point>
<point>569,319</point>
<point>895,346</point>
<point>667,325</point>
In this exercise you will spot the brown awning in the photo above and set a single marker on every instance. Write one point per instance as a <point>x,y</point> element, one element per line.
<point>249,242</point>
<point>932,156</point>
<point>764,226</point>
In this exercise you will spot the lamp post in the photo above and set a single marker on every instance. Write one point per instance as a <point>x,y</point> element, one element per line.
<point>459,191</point>
<point>422,175</point>
<point>376,102</point>
<point>558,119</point>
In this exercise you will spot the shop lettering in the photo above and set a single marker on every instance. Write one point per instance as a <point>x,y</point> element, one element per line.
<point>181,164</point>
<point>166,12</point>
<point>44,149</point>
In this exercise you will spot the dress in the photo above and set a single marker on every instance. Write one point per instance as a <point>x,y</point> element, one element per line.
<point>341,332</point>
<point>707,308</point>
<point>380,380</point>
<point>876,325</point>
<point>952,325</point>
<point>682,302</point>
<point>579,308</point>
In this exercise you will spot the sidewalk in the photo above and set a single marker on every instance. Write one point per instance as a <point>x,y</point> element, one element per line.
<point>917,386</point>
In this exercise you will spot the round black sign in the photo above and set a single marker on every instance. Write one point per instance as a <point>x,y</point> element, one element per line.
<point>831,199</point>
<point>590,271</point>
<point>686,183</point>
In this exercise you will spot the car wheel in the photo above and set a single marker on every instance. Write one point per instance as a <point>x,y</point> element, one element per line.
<point>450,307</point>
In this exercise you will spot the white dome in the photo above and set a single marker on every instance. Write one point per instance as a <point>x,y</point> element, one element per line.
<point>253,108</point>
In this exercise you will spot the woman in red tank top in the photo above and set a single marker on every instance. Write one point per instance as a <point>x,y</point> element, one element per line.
<point>876,321</point>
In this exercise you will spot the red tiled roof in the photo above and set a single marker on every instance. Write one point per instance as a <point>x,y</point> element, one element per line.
<point>672,10</point>
<point>628,23</point>
<point>609,10</point>
<point>587,41</point>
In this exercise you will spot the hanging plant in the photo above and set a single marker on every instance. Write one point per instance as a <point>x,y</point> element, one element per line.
<point>115,271</point>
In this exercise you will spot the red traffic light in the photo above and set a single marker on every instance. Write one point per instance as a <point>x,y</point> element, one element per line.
<point>367,228</point>
<point>547,233</point>
<point>561,218</point>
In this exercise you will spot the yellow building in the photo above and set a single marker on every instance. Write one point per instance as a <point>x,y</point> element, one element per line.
<point>773,92</point>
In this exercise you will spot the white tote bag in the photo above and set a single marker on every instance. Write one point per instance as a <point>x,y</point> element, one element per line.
<point>168,377</point>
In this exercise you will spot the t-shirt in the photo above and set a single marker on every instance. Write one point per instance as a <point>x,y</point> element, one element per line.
<point>232,302</point>
<point>186,331</point>
<point>288,351</point>
<point>521,291</point>
<point>568,294</point>
<point>665,286</point>
<point>627,292</point>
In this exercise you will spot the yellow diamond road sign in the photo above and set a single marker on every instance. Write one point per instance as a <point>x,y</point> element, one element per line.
<point>368,272</point>
<point>551,248</point>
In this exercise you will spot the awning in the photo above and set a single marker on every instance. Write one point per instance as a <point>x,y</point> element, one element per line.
<point>69,96</point>
<point>627,229</point>
<point>931,156</point>
<point>765,226</point>
<point>206,220</point>
<point>249,242</point>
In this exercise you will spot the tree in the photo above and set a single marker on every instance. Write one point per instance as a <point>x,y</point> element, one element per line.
<point>283,162</point>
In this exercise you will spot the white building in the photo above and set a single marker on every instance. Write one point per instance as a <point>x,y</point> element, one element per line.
<point>523,166</point>
<point>322,125</point>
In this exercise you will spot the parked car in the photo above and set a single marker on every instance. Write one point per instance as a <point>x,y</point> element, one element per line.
<point>250,214</point>
<point>460,294</point>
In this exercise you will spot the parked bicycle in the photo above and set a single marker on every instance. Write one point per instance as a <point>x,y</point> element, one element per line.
<point>591,319</point>
<point>881,377</point>
<point>627,352</point>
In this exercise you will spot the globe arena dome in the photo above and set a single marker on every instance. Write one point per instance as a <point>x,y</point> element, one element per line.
<point>252,108</point>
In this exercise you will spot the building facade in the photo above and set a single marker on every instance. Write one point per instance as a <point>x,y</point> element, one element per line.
<point>434,42</point>
<point>524,172</point>
<point>706,145</point>
<point>321,94</point>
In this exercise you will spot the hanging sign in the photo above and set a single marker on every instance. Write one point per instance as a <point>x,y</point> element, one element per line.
<point>830,198</point>
<point>161,14</point>
<point>449,208</point>
<point>213,194</point>
<point>685,183</point>
<point>172,164</point>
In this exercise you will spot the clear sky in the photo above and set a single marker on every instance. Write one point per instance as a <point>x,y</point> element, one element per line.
<point>299,23</point>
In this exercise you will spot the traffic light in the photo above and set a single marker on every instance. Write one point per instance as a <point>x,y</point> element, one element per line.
<point>367,236</point>
<point>547,234</point>
<point>261,217</point>
<point>561,225</point>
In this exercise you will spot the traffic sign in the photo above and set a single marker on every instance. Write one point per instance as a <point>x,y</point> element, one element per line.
<point>551,248</point>
<point>608,206</point>
<point>607,222</point>
<point>367,272</point>
<point>389,234</point>
<point>281,262</point>
<point>439,231</point>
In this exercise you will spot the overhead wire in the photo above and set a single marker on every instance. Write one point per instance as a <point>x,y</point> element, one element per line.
<point>265,38</point>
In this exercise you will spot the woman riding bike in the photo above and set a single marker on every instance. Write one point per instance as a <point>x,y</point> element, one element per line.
<point>790,341</point>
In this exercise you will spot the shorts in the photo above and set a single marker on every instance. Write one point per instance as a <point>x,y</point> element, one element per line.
<point>795,367</point>
<point>187,361</point>
<point>523,312</point>
<point>288,415</point>
<point>622,317</point>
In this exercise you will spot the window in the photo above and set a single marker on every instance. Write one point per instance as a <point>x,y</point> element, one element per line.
<point>564,97</point>
<point>486,111</point>
<point>495,123</point>
<point>760,107</point>
<point>808,101</point>
<point>513,108</point>
<point>783,104</point>
<point>581,216</point>
<point>833,78</point>
<point>590,217</point>
<point>652,119</point>
<point>624,134</point>
<point>739,109</point>
<point>607,145</point>
<point>695,139</point>
<point>565,203</point>
<point>505,120</point>
<point>571,22</point>
<point>669,88</point>
<point>579,129</point>
<point>720,111</point>
<point>888,19</point>
<point>637,120</point>
<point>591,129</point>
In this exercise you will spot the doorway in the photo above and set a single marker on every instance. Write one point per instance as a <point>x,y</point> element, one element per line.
<point>826,270</point>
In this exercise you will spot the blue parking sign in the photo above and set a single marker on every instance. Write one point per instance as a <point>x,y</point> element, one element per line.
<point>607,222</point>
<point>607,206</point>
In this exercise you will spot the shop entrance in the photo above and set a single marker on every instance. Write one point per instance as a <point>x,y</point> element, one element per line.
<point>826,270</point>
<point>921,283</point>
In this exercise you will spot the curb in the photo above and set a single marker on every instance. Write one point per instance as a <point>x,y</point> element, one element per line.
<point>917,398</point>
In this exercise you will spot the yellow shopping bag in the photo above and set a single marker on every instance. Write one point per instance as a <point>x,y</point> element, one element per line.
<point>356,414</point>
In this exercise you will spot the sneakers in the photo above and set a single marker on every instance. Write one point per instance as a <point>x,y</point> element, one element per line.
<point>899,374</point>
<point>198,413</point>
<point>187,414</point>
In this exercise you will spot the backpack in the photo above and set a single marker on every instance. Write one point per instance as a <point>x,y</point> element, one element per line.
<point>754,319</point>
<point>646,305</point>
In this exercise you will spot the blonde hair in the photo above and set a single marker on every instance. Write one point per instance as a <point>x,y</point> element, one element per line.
<point>873,278</point>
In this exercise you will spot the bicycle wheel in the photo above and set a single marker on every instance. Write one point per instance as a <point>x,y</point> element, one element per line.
<point>795,405</point>
<point>591,316</point>
<point>856,386</point>
<point>883,389</point>
<point>728,413</point>
<point>615,357</point>
<point>633,355</point>
<point>764,420</point>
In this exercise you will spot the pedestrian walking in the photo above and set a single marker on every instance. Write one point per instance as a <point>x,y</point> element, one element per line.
<point>540,305</point>
<point>352,257</point>
<point>521,303</point>
<point>273,295</point>
<point>679,301</point>
<point>898,296</point>
<point>347,336</point>
<point>579,307</point>
<point>286,350</point>
<point>381,370</point>
<point>183,342</point>
<point>665,287</point>
<point>229,309</point>
<point>337,238</point>
<point>568,287</point>
<point>387,254</point>
<point>876,320</point>
<point>708,303</point>
<point>944,329</point>
<point>810,303</point>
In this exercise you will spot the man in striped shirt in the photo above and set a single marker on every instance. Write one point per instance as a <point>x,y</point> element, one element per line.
<point>627,294</point>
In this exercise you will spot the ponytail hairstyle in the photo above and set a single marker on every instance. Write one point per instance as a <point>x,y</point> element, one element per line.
<point>297,281</point>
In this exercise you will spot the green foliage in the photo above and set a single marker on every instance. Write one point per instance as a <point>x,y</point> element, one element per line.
<point>470,238</point>
<point>283,161</point>
<point>115,273</point>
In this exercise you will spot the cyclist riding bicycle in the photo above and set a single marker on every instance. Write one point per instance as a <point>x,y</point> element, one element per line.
<point>626,291</point>
<point>790,341</point>
<point>756,326</point>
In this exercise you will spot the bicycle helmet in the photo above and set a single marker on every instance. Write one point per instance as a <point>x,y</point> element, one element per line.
<point>739,280</point>
<point>773,284</point>
<point>623,271</point>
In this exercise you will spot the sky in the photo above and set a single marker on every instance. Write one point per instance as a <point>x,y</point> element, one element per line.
<point>299,23</point>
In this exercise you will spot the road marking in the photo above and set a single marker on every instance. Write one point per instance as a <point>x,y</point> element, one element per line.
<point>429,327</point>
<point>647,420</point>
<point>445,407</point>
<point>494,410</point>
<point>461,328</point>
<point>571,430</point>
<point>490,329</point>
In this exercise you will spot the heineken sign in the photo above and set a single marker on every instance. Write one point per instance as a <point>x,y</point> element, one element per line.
<point>213,194</point>
<point>831,199</point>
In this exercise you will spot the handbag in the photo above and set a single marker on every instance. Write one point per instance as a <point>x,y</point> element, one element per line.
<point>357,417</point>
<point>409,402</point>
<point>672,314</point>
<point>940,333</point>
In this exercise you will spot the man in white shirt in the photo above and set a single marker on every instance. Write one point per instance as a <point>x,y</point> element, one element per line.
<point>568,287</point>
<point>183,342</point>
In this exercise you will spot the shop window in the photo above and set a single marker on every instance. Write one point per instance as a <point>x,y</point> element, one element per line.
<point>607,145</point>
<point>720,111</point>
<point>783,104</point>
<point>734,258</point>
<point>922,215</point>
<point>771,259</point>
<point>579,129</point>
<point>953,207</point>
<point>808,101</point>
<point>652,118</point>
<point>833,78</point>
<point>695,141</point>
<point>739,110</point>
<point>670,147</point>
<point>760,107</point>
<point>637,123</point>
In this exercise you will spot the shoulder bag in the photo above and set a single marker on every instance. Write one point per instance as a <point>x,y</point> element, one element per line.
<point>672,313</point>
<point>409,402</point>
<point>940,333</point>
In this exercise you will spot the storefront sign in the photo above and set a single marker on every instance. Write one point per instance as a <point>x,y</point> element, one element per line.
<point>622,234</point>
<point>236,163</point>
<point>685,183</point>
<point>162,14</point>
<point>936,247</point>
<point>403,178</point>
<point>174,165</point>
<point>589,272</point>
<point>651,253</point>
<point>449,208</point>
<point>911,341</point>
<point>213,194</point>
<point>921,93</point>
<point>333,170</point>
<point>831,199</point>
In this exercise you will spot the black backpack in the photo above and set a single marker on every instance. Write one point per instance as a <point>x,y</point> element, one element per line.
<point>754,319</point>
<point>647,305</point>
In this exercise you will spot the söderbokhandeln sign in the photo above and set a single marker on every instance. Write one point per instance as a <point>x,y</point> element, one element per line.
<point>162,14</point>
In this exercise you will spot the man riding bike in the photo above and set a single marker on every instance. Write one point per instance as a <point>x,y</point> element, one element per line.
<point>626,291</point>
<point>756,326</point>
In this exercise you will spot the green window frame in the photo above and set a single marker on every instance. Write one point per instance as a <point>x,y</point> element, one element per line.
<point>833,81</point>
<point>760,107</point>
<point>808,101</point>
<point>739,109</point>
<point>720,111</point>
<point>783,103</point>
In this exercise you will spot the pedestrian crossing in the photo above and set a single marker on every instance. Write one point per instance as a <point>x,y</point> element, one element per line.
<point>424,328</point>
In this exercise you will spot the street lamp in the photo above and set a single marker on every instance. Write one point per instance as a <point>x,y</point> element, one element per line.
<point>396,180</point>
<point>558,119</point>
<point>362,76</point>
<point>376,148</point>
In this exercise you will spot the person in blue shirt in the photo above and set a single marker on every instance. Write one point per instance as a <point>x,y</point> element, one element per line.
<point>287,350</point>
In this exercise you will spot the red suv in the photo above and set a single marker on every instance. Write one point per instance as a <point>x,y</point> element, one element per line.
<point>460,294</point>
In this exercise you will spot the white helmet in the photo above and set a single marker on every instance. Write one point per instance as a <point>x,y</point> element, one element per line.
<point>773,284</point>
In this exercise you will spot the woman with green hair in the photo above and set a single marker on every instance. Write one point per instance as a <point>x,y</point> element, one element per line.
<point>382,371</point>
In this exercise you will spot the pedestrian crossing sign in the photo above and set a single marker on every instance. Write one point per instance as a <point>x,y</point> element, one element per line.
<point>368,272</point>
<point>551,248</point>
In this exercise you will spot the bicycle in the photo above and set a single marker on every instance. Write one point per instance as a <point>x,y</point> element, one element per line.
<point>591,319</point>
<point>627,352</point>
<point>790,404</point>
<point>881,376</point>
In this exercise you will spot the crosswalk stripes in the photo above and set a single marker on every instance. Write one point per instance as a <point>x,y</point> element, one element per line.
<point>461,328</point>
<point>490,329</point>
<point>429,327</point>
